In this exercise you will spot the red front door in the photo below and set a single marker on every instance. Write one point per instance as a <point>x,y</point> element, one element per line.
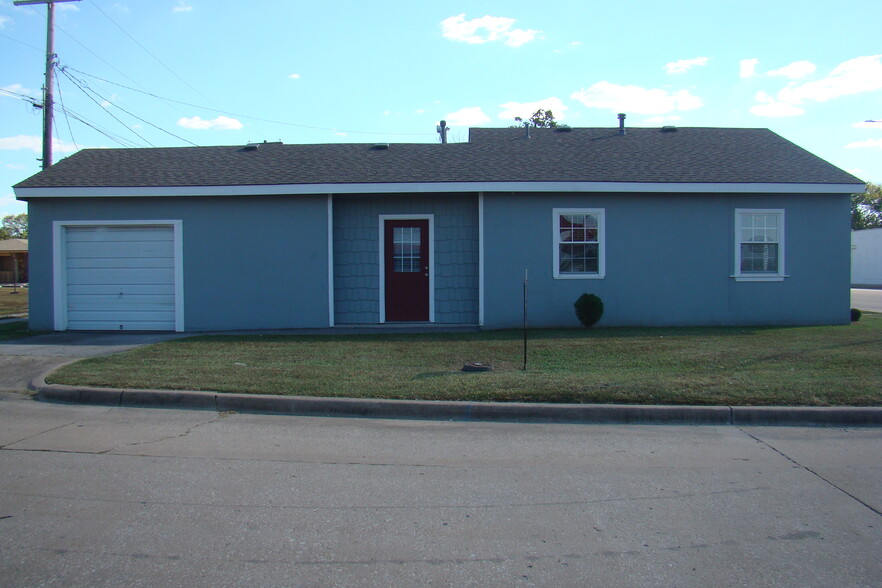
<point>406,260</point>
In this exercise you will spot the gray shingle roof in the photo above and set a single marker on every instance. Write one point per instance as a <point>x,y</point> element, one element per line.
<point>713,155</point>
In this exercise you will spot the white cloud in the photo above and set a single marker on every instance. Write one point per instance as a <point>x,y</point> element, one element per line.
<point>466,117</point>
<point>182,7</point>
<point>294,76</point>
<point>868,124</point>
<point>526,109</point>
<point>221,123</point>
<point>862,74</point>
<point>4,20</point>
<point>634,99</point>
<point>747,68</point>
<point>794,71</point>
<point>770,107</point>
<point>35,143</point>
<point>18,89</point>
<point>867,143</point>
<point>67,6</point>
<point>486,29</point>
<point>684,65</point>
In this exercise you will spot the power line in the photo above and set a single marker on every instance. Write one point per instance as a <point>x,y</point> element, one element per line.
<point>66,117</point>
<point>147,51</point>
<point>21,42</point>
<point>84,86</point>
<point>87,91</point>
<point>218,111</point>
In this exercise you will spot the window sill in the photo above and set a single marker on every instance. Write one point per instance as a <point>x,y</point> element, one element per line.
<point>579,277</point>
<point>749,278</point>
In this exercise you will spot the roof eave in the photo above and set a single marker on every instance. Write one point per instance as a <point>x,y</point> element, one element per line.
<point>440,187</point>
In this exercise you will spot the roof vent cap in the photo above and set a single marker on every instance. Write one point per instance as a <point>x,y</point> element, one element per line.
<point>379,146</point>
<point>251,147</point>
<point>669,129</point>
<point>563,129</point>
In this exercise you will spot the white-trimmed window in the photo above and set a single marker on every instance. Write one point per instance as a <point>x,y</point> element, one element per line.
<point>579,249</point>
<point>759,244</point>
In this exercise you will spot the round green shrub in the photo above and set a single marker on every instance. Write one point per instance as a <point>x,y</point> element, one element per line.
<point>855,315</point>
<point>589,309</point>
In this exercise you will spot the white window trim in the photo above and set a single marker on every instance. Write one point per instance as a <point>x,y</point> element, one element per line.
<point>59,267</point>
<point>600,213</point>
<point>382,242</point>
<point>759,277</point>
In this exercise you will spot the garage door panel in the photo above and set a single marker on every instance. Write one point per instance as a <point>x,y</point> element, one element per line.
<point>116,289</point>
<point>116,325</point>
<point>121,234</point>
<point>126,263</point>
<point>162,303</point>
<point>120,277</point>
<point>119,250</point>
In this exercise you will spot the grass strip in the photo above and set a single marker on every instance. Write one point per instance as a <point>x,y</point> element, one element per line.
<point>765,366</point>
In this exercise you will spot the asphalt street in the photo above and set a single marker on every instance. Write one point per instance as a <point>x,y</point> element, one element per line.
<point>98,496</point>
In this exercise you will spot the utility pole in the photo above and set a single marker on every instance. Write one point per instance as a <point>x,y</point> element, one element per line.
<point>48,99</point>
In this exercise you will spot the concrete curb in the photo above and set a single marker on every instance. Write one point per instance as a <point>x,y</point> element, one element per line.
<point>463,411</point>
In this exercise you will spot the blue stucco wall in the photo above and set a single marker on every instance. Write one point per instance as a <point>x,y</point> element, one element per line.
<point>249,263</point>
<point>356,254</point>
<point>669,259</point>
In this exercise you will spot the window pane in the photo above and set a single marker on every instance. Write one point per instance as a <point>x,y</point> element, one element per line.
<point>578,258</point>
<point>759,257</point>
<point>406,249</point>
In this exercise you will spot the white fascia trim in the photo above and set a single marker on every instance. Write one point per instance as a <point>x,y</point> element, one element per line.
<point>59,266</point>
<point>446,187</point>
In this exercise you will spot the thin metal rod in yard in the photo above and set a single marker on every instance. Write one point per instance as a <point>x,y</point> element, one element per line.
<point>525,320</point>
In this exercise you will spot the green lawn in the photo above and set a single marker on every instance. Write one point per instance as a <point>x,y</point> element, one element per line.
<point>13,301</point>
<point>733,366</point>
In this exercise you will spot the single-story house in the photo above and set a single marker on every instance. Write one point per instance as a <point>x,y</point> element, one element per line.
<point>866,258</point>
<point>669,226</point>
<point>13,261</point>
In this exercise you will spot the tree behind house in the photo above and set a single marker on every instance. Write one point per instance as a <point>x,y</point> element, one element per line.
<point>541,118</point>
<point>14,226</point>
<point>866,208</point>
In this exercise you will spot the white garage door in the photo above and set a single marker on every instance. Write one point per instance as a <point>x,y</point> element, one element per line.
<point>120,277</point>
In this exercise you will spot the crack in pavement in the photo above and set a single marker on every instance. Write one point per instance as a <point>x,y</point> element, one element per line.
<point>4,447</point>
<point>811,471</point>
<point>190,429</point>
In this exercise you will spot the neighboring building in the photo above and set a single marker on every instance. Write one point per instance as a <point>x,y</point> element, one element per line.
<point>690,226</point>
<point>13,261</point>
<point>866,258</point>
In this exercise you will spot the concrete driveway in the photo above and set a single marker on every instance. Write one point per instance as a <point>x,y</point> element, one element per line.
<point>21,360</point>
<point>866,299</point>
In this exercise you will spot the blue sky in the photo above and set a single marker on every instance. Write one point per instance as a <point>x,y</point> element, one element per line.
<point>182,72</point>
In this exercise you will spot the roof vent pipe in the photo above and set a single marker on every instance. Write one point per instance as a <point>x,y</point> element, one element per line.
<point>442,129</point>
<point>526,130</point>
<point>621,123</point>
